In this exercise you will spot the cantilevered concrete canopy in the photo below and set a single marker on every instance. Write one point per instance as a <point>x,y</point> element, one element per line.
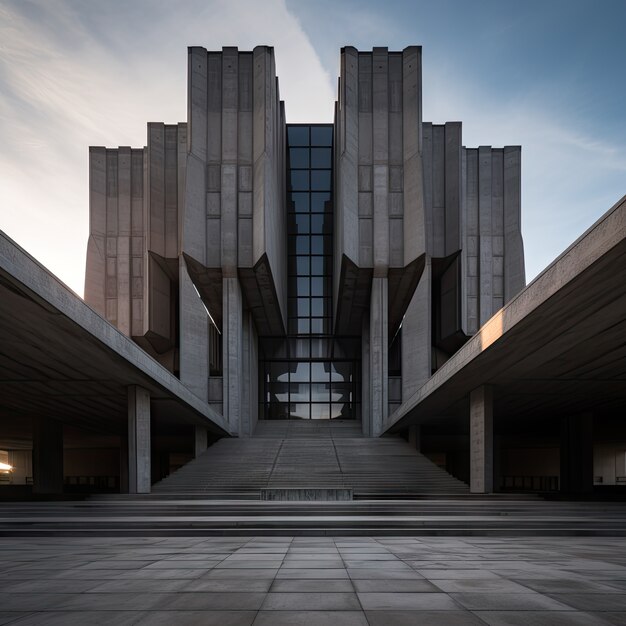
<point>557,349</point>
<point>59,359</point>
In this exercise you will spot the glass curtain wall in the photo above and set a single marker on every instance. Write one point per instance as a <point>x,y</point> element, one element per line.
<point>308,374</point>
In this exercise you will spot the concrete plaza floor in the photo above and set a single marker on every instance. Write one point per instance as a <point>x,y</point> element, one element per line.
<point>312,580</point>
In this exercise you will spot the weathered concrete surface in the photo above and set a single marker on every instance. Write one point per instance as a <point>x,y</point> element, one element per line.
<point>138,440</point>
<point>481,440</point>
<point>556,348</point>
<point>69,363</point>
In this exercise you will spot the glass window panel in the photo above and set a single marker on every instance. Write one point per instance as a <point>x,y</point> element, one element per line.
<point>300,372</point>
<point>300,392</point>
<point>278,392</point>
<point>299,411</point>
<point>278,411</point>
<point>300,223</point>
<point>320,202</point>
<point>320,392</point>
<point>298,135</point>
<point>303,265</point>
<point>302,244</point>
<point>300,202</point>
<point>293,326</point>
<point>317,286</point>
<point>299,157</point>
<point>273,347</point>
<point>303,287</point>
<point>341,411</point>
<point>300,348</point>
<point>341,392</point>
<point>317,223</point>
<point>319,372</point>
<point>320,180</point>
<point>320,411</point>
<point>320,348</point>
<point>300,180</point>
<point>317,265</point>
<point>321,136</point>
<point>304,309</point>
<point>279,371</point>
<point>317,244</point>
<point>304,327</point>
<point>341,372</point>
<point>317,307</point>
<point>317,325</point>
<point>320,158</point>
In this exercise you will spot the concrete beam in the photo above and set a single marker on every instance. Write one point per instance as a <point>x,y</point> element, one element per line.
<point>481,440</point>
<point>139,470</point>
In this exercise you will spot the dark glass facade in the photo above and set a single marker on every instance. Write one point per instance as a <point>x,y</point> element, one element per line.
<point>309,374</point>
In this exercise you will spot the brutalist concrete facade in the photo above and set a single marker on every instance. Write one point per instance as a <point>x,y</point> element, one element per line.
<point>188,246</point>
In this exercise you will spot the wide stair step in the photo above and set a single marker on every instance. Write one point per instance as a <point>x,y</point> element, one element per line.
<point>310,455</point>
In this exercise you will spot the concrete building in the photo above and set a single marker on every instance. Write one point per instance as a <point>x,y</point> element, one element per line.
<point>340,265</point>
<point>271,282</point>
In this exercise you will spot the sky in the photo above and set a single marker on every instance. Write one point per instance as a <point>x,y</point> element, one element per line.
<point>549,75</point>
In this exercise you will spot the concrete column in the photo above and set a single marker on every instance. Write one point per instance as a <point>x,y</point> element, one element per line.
<point>201,436</point>
<point>232,345</point>
<point>366,413</point>
<point>481,440</point>
<point>577,454</point>
<point>123,464</point>
<point>415,436</point>
<point>47,456</point>
<point>139,469</point>
<point>379,348</point>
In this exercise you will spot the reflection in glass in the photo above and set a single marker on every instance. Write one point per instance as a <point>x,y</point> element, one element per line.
<point>320,158</point>
<point>299,411</point>
<point>320,411</point>
<point>320,202</point>
<point>319,372</point>
<point>321,136</point>
<point>300,372</point>
<point>320,180</point>
<point>298,135</point>
<point>299,157</point>
<point>300,202</point>
<point>300,180</point>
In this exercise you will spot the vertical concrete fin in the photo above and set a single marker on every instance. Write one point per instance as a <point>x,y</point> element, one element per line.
<point>413,171</point>
<point>514,273</point>
<point>485,233</point>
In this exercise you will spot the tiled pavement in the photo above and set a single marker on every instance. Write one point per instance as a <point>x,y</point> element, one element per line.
<point>313,580</point>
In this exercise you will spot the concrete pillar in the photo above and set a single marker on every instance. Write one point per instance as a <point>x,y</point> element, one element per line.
<point>366,413</point>
<point>124,464</point>
<point>481,440</point>
<point>232,345</point>
<point>139,467</point>
<point>201,436</point>
<point>577,454</point>
<point>47,456</point>
<point>379,348</point>
<point>415,436</point>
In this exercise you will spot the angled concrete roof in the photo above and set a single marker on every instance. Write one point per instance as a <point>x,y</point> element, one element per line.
<point>558,348</point>
<point>60,359</point>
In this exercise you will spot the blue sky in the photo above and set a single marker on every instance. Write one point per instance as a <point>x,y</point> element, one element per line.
<point>549,75</point>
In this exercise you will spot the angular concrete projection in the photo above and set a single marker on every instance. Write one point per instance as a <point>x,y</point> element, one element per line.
<point>481,440</point>
<point>47,456</point>
<point>232,343</point>
<point>139,467</point>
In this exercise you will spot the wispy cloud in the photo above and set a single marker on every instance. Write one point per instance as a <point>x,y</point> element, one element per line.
<point>74,74</point>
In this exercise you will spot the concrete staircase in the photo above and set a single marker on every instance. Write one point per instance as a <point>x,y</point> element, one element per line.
<point>309,455</point>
